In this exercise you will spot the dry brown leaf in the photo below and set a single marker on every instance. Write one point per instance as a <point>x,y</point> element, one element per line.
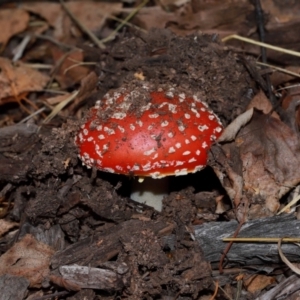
<point>280,78</point>
<point>280,31</point>
<point>233,180</point>
<point>223,18</point>
<point>58,99</point>
<point>280,24</point>
<point>16,79</point>
<point>51,12</point>
<point>27,258</point>
<point>261,165</point>
<point>12,21</point>
<point>261,102</point>
<point>54,15</point>
<point>290,100</point>
<point>235,126</point>
<point>5,226</point>
<point>70,70</point>
<point>256,283</point>
<point>92,14</point>
<point>87,88</point>
<point>280,13</point>
<point>153,17</point>
<point>270,155</point>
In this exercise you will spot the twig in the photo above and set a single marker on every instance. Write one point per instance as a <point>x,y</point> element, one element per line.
<point>228,247</point>
<point>261,31</point>
<point>261,240</point>
<point>127,23</point>
<point>52,40</point>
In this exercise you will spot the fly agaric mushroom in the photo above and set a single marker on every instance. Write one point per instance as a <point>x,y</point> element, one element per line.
<point>148,132</point>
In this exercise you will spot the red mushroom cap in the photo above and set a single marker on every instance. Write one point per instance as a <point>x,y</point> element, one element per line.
<point>148,133</point>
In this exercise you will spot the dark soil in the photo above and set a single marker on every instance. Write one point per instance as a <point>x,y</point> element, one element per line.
<point>89,213</point>
<point>197,65</point>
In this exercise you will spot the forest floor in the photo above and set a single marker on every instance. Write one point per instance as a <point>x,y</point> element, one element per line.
<point>68,231</point>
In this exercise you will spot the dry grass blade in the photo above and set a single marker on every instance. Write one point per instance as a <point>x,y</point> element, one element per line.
<point>77,63</point>
<point>286,261</point>
<point>38,66</point>
<point>288,87</point>
<point>279,69</point>
<point>60,106</point>
<point>262,240</point>
<point>289,205</point>
<point>225,293</point>
<point>216,290</point>
<point>268,46</point>
<point>32,115</point>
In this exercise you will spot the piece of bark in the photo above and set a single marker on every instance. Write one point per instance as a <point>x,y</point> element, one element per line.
<point>27,258</point>
<point>102,247</point>
<point>14,169</point>
<point>15,142</point>
<point>210,235</point>
<point>92,278</point>
<point>13,287</point>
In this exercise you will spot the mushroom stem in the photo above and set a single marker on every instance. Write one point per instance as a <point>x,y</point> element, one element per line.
<point>150,191</point>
